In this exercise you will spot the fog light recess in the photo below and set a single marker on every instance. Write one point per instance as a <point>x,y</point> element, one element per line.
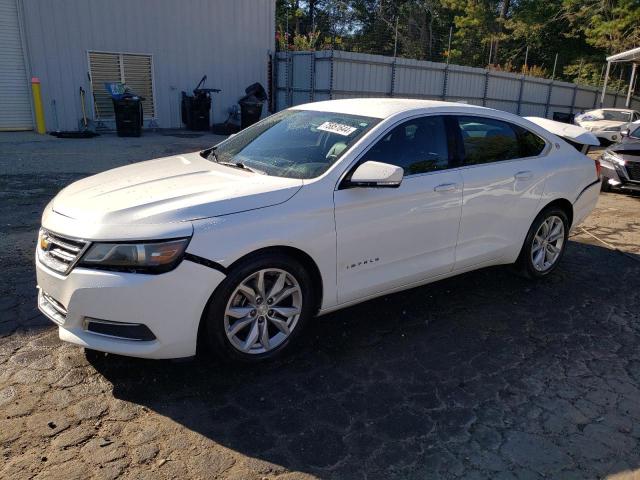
<point>120,330</point>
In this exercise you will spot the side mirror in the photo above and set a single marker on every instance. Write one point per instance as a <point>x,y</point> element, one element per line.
<point>624,133</point>
<point>376,174</point>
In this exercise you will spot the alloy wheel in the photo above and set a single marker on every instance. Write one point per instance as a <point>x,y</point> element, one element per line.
<point>263,310</point>
<point>547,243</point>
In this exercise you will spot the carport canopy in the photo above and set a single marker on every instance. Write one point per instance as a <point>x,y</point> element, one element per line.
<point>630,56</point>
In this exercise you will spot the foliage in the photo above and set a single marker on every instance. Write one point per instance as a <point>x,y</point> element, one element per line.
<point>495,33</point>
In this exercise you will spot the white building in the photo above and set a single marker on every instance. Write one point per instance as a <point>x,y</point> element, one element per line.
<point>157,47</point>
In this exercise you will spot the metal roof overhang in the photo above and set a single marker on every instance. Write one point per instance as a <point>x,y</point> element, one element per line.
<point>632,56</point>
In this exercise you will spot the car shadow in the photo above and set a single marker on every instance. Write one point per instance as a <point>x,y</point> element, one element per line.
<point>486,371</point>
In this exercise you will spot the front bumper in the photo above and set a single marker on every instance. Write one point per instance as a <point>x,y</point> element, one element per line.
<point>612,137</point>
<point>618,175</point>
<point>170,305</point>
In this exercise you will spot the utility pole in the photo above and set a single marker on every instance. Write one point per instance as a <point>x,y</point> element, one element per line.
<point>395,42</point>
<point>449,47</point>
<point>526,58</point>
<point>555,62</point>
<point>580,69</point>
<point>490,51</point>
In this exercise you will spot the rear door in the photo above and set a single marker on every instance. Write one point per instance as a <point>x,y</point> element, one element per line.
<point>503,174</point>
<point>390,237</point>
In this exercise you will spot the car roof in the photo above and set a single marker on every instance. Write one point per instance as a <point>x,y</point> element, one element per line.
<point>612,109</point>
<point>385,107</point>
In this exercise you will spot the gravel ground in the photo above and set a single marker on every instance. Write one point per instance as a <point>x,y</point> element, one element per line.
<point>481,376</point>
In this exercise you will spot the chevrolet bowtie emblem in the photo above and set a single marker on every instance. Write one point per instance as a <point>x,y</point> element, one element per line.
<point>44,243</point>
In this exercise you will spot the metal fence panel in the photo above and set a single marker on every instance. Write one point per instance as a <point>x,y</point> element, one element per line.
<point>322,75</point>
<point>362,73</point>
<point>561,95</point>
<point>414,77</point>
<point>302,77</point>
<point>609,100</point>
<point>532,110</point>
<point>301,67</point>
<point>503,87</point>
<point>466,82</point>
<point>507,106</point>
<point>586,99</point>
<point>535,91</point>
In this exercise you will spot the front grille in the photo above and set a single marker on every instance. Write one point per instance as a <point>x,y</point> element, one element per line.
<point>59,253</point>
<point>633,170</point>
<point>52,308</point>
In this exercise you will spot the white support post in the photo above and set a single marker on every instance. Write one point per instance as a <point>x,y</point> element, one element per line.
<point>630,91</point>
<point>604,85</point>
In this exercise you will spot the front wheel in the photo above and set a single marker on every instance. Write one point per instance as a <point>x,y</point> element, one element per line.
<point>545,243</point>
<point>259,309</point>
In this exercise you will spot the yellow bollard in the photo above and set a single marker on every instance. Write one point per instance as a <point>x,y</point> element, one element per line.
<point>37,105</point>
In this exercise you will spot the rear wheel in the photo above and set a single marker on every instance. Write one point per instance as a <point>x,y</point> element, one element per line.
<point>605,186</point>
<point>545,243</point>
<point>259,309</point>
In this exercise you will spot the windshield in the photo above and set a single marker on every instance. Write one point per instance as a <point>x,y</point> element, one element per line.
<point>294,143</point>
<point>615,115</point>
<point>635,133</point>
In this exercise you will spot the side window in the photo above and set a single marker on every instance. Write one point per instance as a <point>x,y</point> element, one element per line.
<point>487,140</point>
<point>635,117</point>
<point>418,146</point>
<point>531,145</point>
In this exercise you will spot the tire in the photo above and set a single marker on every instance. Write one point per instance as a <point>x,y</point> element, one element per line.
<point>605,186</point>
<point>238,304</point>
<point>525,264</point>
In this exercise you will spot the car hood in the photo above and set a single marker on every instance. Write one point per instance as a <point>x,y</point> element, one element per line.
<point>599,124</point>
<point>628,148</point>
<point>172,189</point>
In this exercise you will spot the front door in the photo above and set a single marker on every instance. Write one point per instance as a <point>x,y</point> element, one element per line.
<point>390,237</point>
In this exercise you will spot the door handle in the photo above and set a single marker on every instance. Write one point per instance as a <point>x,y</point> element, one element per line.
<point>446,187</point>
<point>525,175</point>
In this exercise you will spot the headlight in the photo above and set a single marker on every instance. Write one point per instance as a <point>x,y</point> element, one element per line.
<point>147,257</point>
<point>611,129</point>
<point>611,157</point>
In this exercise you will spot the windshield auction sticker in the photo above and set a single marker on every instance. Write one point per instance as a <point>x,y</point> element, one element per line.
<point>339,128</point>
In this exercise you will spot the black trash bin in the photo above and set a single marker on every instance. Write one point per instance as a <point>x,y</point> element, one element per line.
<point>251,104</point>
<point>129,115</point>
<point>196,108</point>
<point>563,117</point>
<point>195,111</point>
<point>250,111</point>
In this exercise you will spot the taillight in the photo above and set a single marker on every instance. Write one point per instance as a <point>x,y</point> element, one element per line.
<point>598,169</point>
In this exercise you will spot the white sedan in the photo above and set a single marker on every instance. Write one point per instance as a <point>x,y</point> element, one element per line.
<point>606,123</point>
<point>313,209</point>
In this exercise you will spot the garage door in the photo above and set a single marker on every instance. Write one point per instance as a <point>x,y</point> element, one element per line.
<point>15,98</point>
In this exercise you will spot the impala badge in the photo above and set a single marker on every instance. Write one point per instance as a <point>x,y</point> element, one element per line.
<point>363,262</point>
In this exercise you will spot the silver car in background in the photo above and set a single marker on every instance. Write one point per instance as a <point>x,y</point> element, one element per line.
<point>621,162</point>
<point>606,123</point>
